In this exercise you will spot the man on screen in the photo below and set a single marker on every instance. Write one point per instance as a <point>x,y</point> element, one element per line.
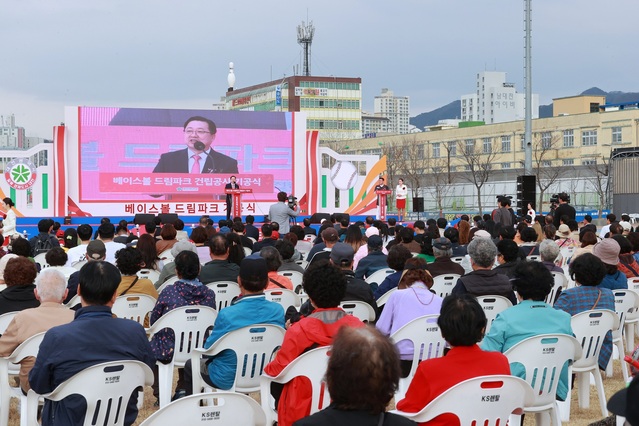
<point>198,156</point>
<point>229,197</point>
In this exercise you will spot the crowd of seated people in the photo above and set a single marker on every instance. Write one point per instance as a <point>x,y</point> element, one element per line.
<point>336,267</point>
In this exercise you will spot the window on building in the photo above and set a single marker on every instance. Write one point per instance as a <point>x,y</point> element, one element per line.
<point>436,150</point>
<point>452,148</point>
<point>589,138</point>
<point>616,135</point>
<point>420,151</point>
<point>470,146</point>
<point>467,168</point>
<point>505,165</point>
<point>488,145</point>
<point>546,140</point>
<point>546,163</point>
<point>589,162</point>
<point>568,162</point>
<point>522,141</point>
<point>569,138</point>
<point>505,144</point>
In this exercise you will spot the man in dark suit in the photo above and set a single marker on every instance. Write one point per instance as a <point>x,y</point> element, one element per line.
<point>229,197</point>
<point>198,156</point>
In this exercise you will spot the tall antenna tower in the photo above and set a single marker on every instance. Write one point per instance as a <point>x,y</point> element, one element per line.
<point>305,39</point>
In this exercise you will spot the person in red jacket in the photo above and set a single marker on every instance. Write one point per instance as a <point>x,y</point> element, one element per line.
<point>325,285</point>
<point>462,323</point>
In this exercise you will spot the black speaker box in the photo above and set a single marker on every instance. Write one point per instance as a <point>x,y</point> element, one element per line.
<point>143,218</point>
<point>318,217</point>
<point>418,204</point>
<point>168,218</point>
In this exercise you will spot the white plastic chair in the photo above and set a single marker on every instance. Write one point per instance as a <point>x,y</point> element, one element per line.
<point>40,260</point>
<point>359,309</point>
<point>190,325</point>
<point>384,297</point>
<point>311,365</point>
<point>5,320</point>
<point>302,263</point>
<point>426,337</point>
<point>80,264</point>
<point>225,292</point>
<point>226,409</point>
<point>75,300</point>
<point>561,283</point>
<point>543,358</point>
<point>626,302</point>
<point>150,274</point>
<point>492,305</point>
<point>166,256</point>
<point>590,328</point>
<point>485,400</point>
<point>9,367</point>
<point>106,388</point>
<point>167,283</point>
<point>253,345</point>
<point>135,307</point>
<point>295,277</point>
<point>457,259</point>
<point>632,319</point>
<point>534,257</point>
<point>379,276</point>
<point>284,297</point>
<point>443,284</point>
<point>299,290</point>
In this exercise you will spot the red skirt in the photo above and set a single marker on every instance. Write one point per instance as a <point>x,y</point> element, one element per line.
<point>401,204</point>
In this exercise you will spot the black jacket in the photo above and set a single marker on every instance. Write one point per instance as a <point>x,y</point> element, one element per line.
<point>486,283</point>
<point>17,298</point>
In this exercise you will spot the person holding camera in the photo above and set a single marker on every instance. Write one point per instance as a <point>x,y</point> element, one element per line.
<point>563,209</point>
<point>281,212</point>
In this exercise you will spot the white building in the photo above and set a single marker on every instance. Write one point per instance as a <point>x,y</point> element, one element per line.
<point>11,136</point>
<point>396,109</point>
<point>495,100</point>
<point>373,125</point>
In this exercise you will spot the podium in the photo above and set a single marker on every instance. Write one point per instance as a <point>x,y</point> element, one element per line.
<point>382,194</point>
<point>237,199</point>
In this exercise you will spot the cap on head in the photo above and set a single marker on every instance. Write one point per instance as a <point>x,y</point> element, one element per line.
<point>342,254</point>
<point>253,269</point>
<point>96,250</point>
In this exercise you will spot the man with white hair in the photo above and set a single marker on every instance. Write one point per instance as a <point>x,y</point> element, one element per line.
<point>549,252</point>
<point>51,289</point>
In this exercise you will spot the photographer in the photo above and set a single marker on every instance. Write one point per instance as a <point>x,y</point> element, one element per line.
<point>563,209</point>
<point>282,211</point>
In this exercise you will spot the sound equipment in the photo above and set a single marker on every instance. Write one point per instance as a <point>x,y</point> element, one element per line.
<point>318,217</point>
<point>418,204</point>
<point>143,218</point>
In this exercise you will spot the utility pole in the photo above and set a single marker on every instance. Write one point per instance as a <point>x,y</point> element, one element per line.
<point>528,85</point>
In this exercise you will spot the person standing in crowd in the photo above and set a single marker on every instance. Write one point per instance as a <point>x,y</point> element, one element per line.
<point>401,191</point>
<point>564,209</point>
<point>380,187</point>
<point>281,213</point>
<point>9,222</point>
<point>229,197</point>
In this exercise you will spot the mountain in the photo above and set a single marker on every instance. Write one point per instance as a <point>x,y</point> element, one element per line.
<point>452,110</point>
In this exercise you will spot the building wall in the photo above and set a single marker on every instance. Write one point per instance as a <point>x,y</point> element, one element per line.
<point>575,104</point>
<point>396,109</point>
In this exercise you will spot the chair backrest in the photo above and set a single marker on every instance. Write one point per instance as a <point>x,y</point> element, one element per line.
<point>302,263</point>
<point>590,328</point>
<point>457,259</point>
<point>166,256</point>
<point>75,300</point>
<point>149,274</point>
<point>134,307</point>
<point>190,325</point>
<point>384,297</point>
<point>543,357</point>
<point>27,348</point>
<point>225,292</point>
<point>5,319</point>
<point>106,388</point>
<point>40,260</point>
<point>443,284</point>
<point>253,346</point>
<point>294,276</point>
<point>633,284</point>
<point>167,283</point>
<point>534,257</point>
<point>492,305</point>
<point>560,283</point>
<point>379,276</point>
<point>226,409</point>
<point>312,365</point>
<point>283,296</point>
<point>426,337</point>
<point>485,400</point>
<point>626,304</point>
<point>359,309</point>
<point>80,264</point>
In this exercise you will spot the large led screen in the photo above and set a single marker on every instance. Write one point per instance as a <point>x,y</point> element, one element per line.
<point>160,154</point>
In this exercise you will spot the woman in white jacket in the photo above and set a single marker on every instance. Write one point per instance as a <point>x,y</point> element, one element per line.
<point>9,223</point>
<point>401,191</point>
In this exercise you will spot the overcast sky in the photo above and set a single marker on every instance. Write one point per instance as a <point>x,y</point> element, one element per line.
<point>170,54</point>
